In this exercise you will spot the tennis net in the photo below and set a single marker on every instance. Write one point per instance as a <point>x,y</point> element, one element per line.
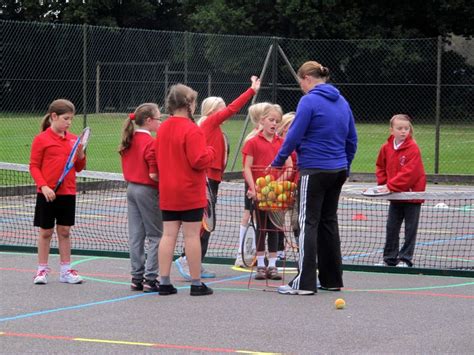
<point>445,238</point>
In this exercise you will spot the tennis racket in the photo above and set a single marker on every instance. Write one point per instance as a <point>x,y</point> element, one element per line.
<point>227,150</point>
<point>248,247</point>
<point>82,139</point>
<point>277,217</point>
<point>209,217</point>
<point>376,191</point>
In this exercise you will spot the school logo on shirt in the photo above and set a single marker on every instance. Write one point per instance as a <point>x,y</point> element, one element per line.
<point>403,160</point>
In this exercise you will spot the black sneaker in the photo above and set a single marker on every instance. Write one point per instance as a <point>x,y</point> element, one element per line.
<point>165,290</point>
<point>151,286</point>
<point>202,290</point>
<point>136,285</point>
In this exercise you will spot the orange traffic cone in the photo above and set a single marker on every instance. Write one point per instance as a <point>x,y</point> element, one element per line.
<point>359,217</point>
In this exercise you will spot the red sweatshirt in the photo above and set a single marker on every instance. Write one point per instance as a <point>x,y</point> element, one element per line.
<point>402,169</point>
<point>139,160</point>
<point>214,136</point>
<point>183,158</point>
<point>49,153</point>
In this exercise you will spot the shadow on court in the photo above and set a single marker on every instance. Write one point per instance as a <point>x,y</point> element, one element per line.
<point>385,313</point>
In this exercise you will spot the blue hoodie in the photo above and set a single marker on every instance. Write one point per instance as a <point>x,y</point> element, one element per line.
<point>323,132</point>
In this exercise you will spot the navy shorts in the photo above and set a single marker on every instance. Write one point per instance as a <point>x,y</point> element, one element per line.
<point>194,215</point>
<point>61,211</point>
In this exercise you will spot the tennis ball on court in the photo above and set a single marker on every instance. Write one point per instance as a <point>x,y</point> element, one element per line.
<point>340,303</point>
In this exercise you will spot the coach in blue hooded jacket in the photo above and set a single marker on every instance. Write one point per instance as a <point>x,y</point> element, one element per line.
<point>325,139</point>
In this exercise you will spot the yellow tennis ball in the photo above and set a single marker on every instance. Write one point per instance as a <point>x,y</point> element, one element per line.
<point>340,303</point>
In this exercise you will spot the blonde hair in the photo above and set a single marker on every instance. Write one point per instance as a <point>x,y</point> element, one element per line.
<point>257,113</point>
<point>285,123</point>
<point>314,69</point>
<point>208,106</point>
<point>180,96</point>
<point>140,115</point>
<point>403,117</point>
<point>59,107</point>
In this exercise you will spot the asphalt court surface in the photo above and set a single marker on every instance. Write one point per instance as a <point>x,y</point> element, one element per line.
<point>385,313</point>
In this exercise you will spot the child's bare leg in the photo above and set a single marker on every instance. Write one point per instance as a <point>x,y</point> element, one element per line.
<point>167,246</point>
<point>64,243</point>
<point>44,242</point>
<point>192,242</point>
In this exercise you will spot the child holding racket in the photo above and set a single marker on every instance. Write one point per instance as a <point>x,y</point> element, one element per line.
<point>137,151</point>
<point>49,153</point>
<point>282,127</point>
<point>399,168</point>
<point>259,151</point>
<point>214,113</point>
<point>245,220</point>
<point>183,158</point>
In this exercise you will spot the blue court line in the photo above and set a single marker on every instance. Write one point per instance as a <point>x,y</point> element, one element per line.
<point>85,305</point>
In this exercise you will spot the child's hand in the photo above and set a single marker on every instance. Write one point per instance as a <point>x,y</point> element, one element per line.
<point>80,152</point>
<point>383,188</point>
<point>48,193</point>
<point>251,193</point>
<point>255,83</point>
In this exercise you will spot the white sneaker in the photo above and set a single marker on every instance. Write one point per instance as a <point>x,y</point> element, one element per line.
<point>183,268</point>
<point>41,277</point>
<point>70,277</point>
<point>402,264</point>
<point>281,255</point>
<point>288,290</point>
<point>238,261</point>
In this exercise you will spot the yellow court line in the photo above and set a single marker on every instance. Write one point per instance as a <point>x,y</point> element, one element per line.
<point>91,340</point>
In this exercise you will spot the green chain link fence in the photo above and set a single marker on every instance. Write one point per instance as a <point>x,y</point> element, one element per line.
<point>107,72</point>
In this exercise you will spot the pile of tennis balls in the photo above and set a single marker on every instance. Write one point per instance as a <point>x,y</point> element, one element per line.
<point>273,194</point>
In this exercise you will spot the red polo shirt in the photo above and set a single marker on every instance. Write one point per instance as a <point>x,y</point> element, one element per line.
<point>49,153</point>
<point>263,152</point>
<point>139,161</point>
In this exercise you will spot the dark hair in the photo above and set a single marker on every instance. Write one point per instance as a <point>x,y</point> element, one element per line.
<point>140,115</point>
<point>180,96</point>
<point>313,69</point>
<point>59,107</point>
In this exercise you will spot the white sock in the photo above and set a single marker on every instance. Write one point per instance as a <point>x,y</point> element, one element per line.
<point>261,261</point>
<point>241,237</point>
<point>65,267</point>
<point>42,267</point>
<point>272,262</point>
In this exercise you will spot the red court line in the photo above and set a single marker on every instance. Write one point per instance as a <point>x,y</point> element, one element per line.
<point>124,342</point>
<point>54,272</point>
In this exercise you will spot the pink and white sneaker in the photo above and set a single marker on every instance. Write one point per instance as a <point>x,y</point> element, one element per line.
<point>41,277</point>
<point>71,277</point>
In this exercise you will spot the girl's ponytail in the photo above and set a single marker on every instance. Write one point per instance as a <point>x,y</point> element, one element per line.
<point>127,133</point>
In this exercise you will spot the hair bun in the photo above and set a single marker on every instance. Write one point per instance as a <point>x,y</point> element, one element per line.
<point>131,116</point>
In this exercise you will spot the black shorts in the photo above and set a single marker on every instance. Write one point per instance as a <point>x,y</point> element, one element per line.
<point>247,201</point>
<point>194,215</point>
<point>62,211</point>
